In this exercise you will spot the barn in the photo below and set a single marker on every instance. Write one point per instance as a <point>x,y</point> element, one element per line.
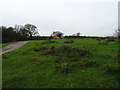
<point>57,34</point>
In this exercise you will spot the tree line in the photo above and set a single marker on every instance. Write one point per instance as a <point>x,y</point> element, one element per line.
<point>30,32</point>
<point>18,33</point>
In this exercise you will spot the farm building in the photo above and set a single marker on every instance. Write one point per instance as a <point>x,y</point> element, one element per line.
<point>57,34</point>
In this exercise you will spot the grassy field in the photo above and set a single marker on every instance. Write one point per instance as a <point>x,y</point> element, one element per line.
<point>62,63</point>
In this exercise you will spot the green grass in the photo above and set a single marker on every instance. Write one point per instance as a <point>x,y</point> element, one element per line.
<point>46,64</point>
<point>5,44</point>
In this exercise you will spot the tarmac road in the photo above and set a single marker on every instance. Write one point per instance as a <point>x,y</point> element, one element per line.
<point>12,47</point>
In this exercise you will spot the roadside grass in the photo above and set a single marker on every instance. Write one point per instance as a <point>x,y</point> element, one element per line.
<point>62,63</point>
<point>5,44</point>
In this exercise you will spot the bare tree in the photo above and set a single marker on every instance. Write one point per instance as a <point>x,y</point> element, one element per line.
<point>117,33</point>
<point>17,28</point>
<point>32,29</point>
<point>78,34</point>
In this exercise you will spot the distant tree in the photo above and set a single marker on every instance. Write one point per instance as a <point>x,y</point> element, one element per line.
<point>0,34</point>
<point>74,35</point>
<point>17,28</point>
<point>18,33</point>
<point>24,33</point>
<point>78,34</point>
<point>8,34</point>
<point>117,33</point>
<point>32,29</point>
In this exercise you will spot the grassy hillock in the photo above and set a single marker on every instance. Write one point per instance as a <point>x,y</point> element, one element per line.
<point>63,63</point>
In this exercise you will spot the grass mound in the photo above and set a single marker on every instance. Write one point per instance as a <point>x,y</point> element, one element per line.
<point>66,51</point>
<point>72,52</point>
<point>68,58</point>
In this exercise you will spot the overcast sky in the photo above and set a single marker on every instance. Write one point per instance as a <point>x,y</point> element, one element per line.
<point>89,17</point>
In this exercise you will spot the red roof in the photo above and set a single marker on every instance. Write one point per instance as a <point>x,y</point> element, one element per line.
<point>55,37</point>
